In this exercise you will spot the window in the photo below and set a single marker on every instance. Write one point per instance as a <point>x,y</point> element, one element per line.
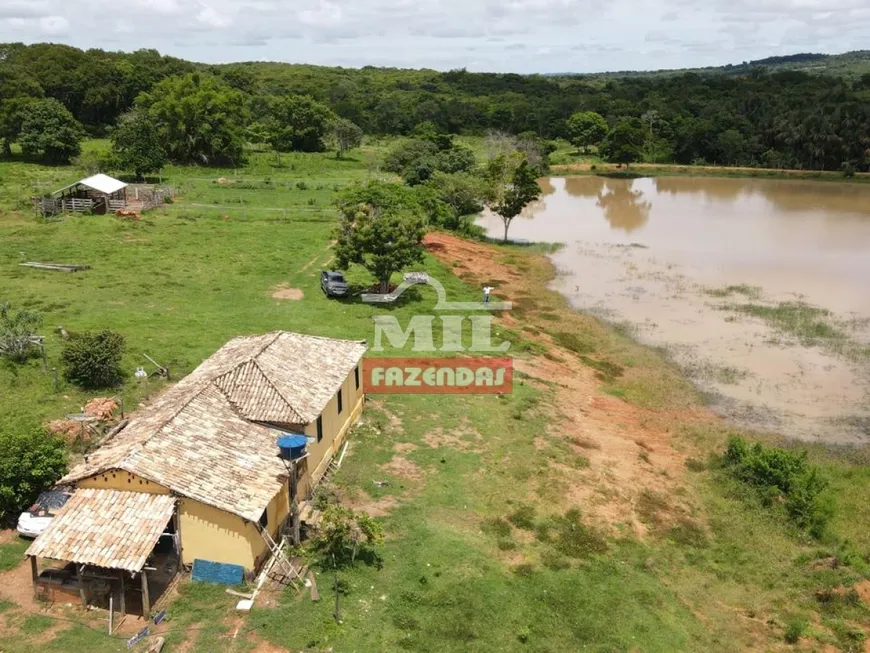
<point>340,402</point>
<point>264,519</point>
<point>356,376</point>
<point>320,428</point>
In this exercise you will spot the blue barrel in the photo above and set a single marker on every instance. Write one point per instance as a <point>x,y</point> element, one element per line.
<point>292,445</point>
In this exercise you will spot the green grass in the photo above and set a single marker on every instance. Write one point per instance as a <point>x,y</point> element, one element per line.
<point>752,292</point>
<point>809,324</point>
<point>12,553</point>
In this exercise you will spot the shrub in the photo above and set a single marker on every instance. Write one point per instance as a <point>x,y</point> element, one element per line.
<point>93,360</point>
<point>31,460</point>
<point>345,533</point>
<point>523,517</point>
<point>795,630</point>
<point>16,333</point>
<point>570,537</point>
<point>497,527</point>
<point>783,476</point>
<point>848,169</point>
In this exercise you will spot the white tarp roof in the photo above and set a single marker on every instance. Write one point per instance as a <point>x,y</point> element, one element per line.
<point>101,183</point>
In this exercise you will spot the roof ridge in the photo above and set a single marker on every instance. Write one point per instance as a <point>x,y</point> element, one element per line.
<point>275,388</point>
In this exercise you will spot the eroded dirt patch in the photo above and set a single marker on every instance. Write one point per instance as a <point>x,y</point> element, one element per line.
<point>284,291</point>
<point>373,507</point>
<point>463,438</point>
<point>403,468</point>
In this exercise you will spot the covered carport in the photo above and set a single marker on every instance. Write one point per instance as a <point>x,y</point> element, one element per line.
<point>105,543</point>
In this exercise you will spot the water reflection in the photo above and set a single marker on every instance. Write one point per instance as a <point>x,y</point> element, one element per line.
<point>624,207</point>
<point>584,186</point>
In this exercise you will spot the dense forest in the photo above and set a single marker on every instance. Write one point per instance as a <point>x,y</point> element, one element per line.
<point>770,118</point>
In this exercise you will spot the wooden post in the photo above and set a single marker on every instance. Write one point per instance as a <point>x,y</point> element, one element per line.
<point>294,504</point>
<point>146,599</point>
<point>34,571</point>
<point>123,597</point>
<point>111,610</point>
<point>177,520</point>
<point>81,581</point>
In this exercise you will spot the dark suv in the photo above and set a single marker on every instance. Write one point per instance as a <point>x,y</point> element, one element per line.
<point>333,284</point>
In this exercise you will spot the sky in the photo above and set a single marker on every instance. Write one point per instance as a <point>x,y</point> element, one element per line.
<point>523,36</point>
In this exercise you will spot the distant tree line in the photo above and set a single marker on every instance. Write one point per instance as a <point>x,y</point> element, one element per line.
<point>204,114</point>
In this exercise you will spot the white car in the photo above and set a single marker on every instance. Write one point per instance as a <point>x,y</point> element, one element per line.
<point>36,519</point>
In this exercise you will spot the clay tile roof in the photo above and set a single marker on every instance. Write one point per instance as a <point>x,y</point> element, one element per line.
<point>205,438</point>
<point>106,528</point>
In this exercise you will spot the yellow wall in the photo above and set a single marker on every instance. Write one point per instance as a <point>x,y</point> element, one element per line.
<point>335,428</point>
<point>211,534</point>
<point>120,480</point>
<point>207,532</point>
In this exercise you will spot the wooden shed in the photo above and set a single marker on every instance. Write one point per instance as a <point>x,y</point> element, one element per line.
<point>98,194</point>
<point>102,547</point>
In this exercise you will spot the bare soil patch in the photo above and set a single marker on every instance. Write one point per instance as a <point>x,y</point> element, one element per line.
<point>403,468</point>
<point>372,507</point>
<point>283,291</point>
<point>404,447</point>
<point>457,439</point>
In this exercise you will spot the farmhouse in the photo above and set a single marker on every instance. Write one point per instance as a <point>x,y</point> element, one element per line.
<point>201,466</point>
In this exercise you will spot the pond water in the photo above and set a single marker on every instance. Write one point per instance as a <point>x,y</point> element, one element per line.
<point>759,289</point>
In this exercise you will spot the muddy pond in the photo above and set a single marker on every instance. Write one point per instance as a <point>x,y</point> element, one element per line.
<point>758,289</point>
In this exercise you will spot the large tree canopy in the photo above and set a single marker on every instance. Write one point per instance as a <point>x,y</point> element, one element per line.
<point>381,229</point>
<point>137,144</point>
<point>200,118</point>
<point>586,128</point>
<point>17,89</point>
<point>50,131</point>
<point>296,123</point>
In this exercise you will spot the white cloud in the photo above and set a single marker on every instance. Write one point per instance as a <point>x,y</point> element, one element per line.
<point>211,18</point>
<point>54,25</point>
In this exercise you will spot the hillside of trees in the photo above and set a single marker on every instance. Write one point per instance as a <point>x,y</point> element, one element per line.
<point>763,117</point>
<point>850,65</point>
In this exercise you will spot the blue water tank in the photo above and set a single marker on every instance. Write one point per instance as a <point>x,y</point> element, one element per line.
<point>292,445</point>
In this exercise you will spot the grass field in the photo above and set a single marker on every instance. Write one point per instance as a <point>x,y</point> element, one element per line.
<point>488,546</point>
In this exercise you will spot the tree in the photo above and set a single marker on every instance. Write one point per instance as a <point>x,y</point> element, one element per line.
<point>199,118</point>
<point>462,192</point>
<point>586,128</point>
<point>17,331</point>
<point>344,532</point>
<point>49,130</point>
<point>732,147</point>
<point>344,135</point>
<point>408,152</point>
<point>380,228</point>
<point>31,460</point>
<point>137,144</point>
<point>297,123</point>
<point>17,90</point>
<point>93,360</point>
<point>624,144</point>
<point>512,185</point>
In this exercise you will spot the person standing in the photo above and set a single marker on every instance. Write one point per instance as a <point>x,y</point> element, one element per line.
<point>486,291</point>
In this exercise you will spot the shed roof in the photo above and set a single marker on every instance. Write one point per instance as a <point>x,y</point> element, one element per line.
<point>206,438</point>
<point>106,528</point>
<point>101,183</point>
